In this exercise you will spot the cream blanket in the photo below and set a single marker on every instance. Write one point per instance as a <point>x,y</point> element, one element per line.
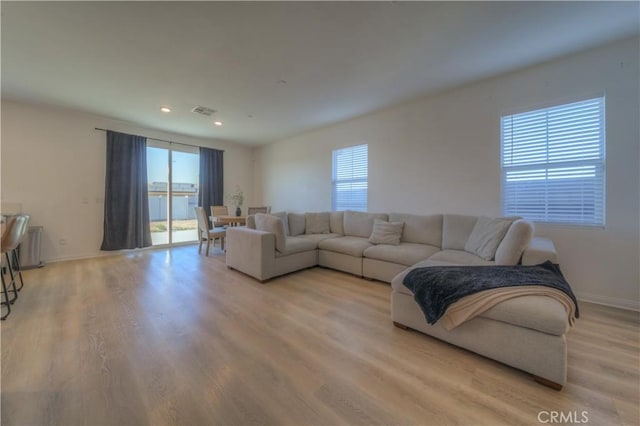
<point>475,304</point>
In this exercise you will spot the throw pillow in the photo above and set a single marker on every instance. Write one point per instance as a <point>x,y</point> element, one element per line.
<point>317,223</point>
<point>273,225</point>
<point>386,232</point>
<point>486,236</point>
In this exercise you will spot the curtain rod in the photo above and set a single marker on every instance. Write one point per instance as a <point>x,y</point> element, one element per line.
<point>162,140</point>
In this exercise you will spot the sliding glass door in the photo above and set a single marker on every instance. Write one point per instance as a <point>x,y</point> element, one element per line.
<point>172,174</point>
<point>184,197</point>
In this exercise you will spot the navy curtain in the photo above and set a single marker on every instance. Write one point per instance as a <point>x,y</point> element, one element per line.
<point>126,202</point>
<point>210,190</point>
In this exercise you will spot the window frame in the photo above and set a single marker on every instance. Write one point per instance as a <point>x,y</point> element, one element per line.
<point>335,180</point>
<point>598,164</point>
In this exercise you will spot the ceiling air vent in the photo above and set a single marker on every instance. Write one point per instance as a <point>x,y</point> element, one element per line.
<point>203,110</point>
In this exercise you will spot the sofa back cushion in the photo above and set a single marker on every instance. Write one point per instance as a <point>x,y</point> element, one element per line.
<point>456,230</point>
<point>336,222</point>
<point>486,236</point>
<point>420,229</point>
<point>317,223</point>
<point>273,225</point>
<point>296,224</point>
<point>359,224</point>
<point>515,242</point>
<point>251,221</point>
<point>284,217</point>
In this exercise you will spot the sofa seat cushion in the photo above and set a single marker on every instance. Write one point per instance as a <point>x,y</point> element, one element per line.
<point>539,313</point>
<point>459,257</point>
<point>297,245</point>
<point>404,254</point>
<point>353,246</point>
<point>316,238</point>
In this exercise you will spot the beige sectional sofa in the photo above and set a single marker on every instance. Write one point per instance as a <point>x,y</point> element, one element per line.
<point>525,332</point>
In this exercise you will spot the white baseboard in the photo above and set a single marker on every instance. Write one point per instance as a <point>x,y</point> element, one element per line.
<point>632,305</point>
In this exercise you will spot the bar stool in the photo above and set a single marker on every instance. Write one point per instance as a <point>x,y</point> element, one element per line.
<point>11,238</point>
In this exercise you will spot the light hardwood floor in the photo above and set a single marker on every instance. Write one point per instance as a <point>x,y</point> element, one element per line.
<point>170,337</point>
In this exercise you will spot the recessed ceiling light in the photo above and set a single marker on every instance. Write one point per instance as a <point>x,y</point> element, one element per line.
<point>218,123</point>
<point>165,109</point>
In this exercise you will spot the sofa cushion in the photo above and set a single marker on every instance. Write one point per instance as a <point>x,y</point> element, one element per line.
<point>486,236</point>
<point>536,312</point>
<point>420,229</point>
<point>456,230</point>
<point>296,224</point>
<point>386,232</point>
<point>297,245</point>
<point>284,217</point>
<point>458,257</point>
<point>514,243</point>
<point>359,224</point>
<point>336,222</point>
<point>353,246</point>
<point>396,282</point>
<point>251,222</point>
<point>317,223</point>
<point>540,313</point>
<point>272,224</point>
<point>404,253</point>
<point>316,238</point>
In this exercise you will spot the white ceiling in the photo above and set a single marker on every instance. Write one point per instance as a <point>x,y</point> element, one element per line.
<point>339,59</point>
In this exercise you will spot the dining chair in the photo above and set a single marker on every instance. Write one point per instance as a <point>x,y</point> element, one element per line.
<point>218,211</point>
<point>254,210</point>
<point>206,234</point>
<point>14,232</point>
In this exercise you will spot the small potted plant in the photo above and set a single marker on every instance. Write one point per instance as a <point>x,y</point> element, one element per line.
<point>237,198</point>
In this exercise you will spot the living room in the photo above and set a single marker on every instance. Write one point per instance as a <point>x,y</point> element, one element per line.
<point>430,152</point>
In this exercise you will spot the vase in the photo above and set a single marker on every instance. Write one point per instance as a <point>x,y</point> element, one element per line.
<point>238,211</point>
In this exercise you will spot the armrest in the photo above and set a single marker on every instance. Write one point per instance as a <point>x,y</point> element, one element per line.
<point>539,251</point>
<point>250,251</point>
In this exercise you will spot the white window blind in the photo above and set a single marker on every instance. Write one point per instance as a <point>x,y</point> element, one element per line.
<point>553,164</point>
<point>350,174</point>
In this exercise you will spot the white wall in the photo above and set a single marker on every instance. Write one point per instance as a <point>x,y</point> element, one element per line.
<point>53,164</point>
<point>441,154</point>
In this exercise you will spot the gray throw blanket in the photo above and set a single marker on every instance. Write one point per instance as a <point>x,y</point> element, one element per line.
<point>435,288</point>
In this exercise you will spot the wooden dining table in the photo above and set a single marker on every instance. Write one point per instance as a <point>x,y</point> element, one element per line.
<point>229,220</point>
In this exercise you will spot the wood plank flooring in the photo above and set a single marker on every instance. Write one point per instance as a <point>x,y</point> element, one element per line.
<point>169,337</point>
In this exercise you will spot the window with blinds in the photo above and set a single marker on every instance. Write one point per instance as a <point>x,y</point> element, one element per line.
<point>350,174</point>
<point>553,164</point>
